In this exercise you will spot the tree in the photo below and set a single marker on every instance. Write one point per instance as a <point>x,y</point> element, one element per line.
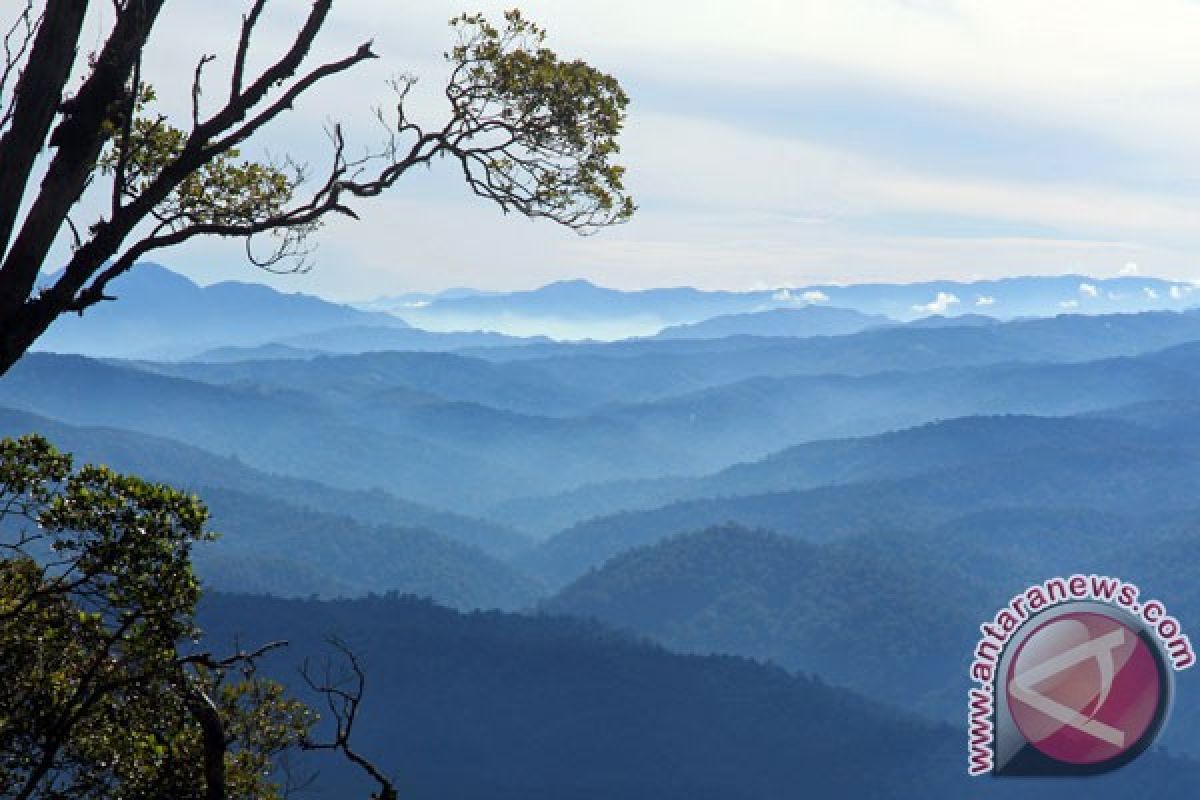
<point>531,132</point>
<point>104,690</point>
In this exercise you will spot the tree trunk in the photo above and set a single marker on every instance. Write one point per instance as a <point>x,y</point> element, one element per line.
<point>19,331</point>
<point>38,94</point>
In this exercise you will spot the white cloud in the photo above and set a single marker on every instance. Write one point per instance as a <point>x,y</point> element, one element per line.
<point>939,304</point>
<point>1089,290</point>
<point>985,300</point>
<point>811,296</point>
<point>1150,293</point>
<point>1075,58</point>
<point>672,152</point>
<point>1180,291</point>
<point>1069,304</point>
<point>1131,269</point>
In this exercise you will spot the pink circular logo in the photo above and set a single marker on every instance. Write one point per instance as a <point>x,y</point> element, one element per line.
<point>1084,688</point>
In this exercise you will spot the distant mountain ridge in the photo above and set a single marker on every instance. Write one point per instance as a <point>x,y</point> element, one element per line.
<point>374,338</point>
<point>1065,337</point>
<point>799,322</point>
<point>161,314</point>
<point>579,309</point>
<point>361,339</point>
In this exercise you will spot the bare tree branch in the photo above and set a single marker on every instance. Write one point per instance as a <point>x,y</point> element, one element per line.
<point>286,102</point>
<point>239,62</point>
<point>343,697</point>
<point>239,658</point>
<point>196,92</point>
<point>16,44</point>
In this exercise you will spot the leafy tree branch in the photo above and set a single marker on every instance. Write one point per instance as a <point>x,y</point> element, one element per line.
<point>105,691</point>
<point>533,133</point>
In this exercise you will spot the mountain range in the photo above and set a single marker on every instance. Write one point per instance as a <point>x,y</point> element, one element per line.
<point>161,314</point>
<point>578,309</point>
<point>725,559</point>
<point>552,432</point>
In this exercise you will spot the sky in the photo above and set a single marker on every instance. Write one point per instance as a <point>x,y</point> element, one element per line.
<point>770,143</point>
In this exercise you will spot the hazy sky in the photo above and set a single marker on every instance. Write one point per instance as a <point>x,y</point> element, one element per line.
<point>780,143</point>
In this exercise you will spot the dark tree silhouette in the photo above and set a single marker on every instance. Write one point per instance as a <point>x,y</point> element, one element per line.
<point>532,132</point>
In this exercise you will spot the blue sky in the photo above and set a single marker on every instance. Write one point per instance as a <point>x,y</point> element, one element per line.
<point>783,143</point>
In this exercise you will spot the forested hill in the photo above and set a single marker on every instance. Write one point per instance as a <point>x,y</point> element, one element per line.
<point>531,708</point>
<point>891,614</point>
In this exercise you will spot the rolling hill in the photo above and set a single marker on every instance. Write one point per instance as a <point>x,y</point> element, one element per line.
<point>892,614</point>
<point>274,430</point>
<point>431,377</point>
<point>188,467</point>
<point>1120,479</point>
<point>857,612</point>
<point>344,422</point>
<point>897,454</point>
<point>270,547</point>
